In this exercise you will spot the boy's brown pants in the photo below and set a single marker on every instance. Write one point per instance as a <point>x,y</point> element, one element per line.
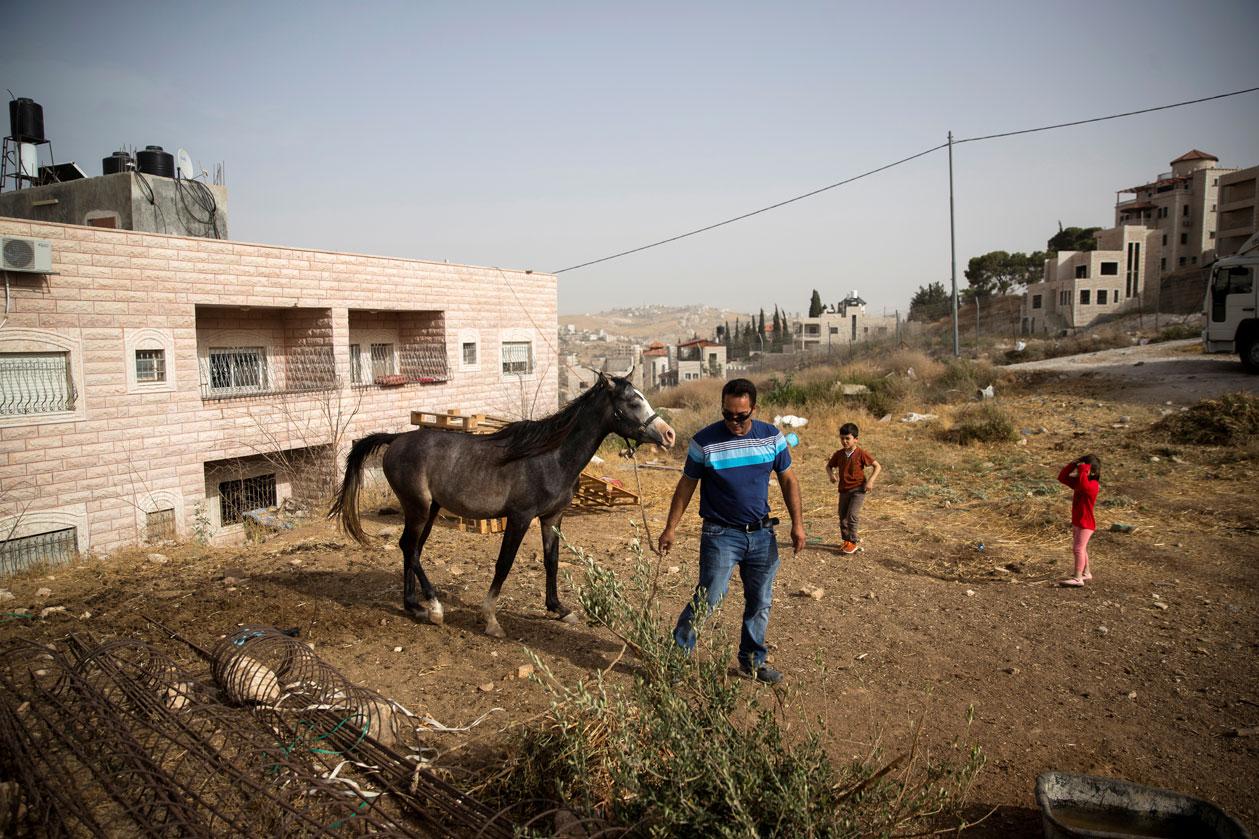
<point>850,501</point>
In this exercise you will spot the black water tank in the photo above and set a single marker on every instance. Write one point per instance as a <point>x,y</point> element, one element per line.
<point>26,121</point>
<point>154,161</point>
<point>119,161</point>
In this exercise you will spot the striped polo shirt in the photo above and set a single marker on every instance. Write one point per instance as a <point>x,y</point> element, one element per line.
<point>734,471</point>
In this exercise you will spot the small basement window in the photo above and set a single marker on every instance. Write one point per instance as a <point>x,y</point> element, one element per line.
<point>239,497</point>
<point>159,525</point>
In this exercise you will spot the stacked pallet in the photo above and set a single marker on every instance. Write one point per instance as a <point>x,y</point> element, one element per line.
<point>465,525</point>
<point>453,420</point>
<point>596,492</point>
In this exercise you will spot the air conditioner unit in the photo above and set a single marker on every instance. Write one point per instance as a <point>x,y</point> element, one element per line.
<point>33,256</point>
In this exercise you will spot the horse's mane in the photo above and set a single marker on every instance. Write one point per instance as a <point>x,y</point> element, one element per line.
<point>530,438</point>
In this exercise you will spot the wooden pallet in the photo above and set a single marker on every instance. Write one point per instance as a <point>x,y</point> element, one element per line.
<point>452,420</point>
<point>464,525</point>
<point>595,492</point>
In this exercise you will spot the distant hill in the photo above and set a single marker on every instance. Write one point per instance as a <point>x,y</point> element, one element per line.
<point>665,323</point>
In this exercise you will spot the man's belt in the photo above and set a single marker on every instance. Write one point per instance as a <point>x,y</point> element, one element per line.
<point>768,521</point>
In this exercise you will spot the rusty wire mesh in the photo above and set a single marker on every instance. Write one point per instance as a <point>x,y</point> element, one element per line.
<point>117,739</point>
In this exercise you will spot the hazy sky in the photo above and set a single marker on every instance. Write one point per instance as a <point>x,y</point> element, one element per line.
<point>541,135</point>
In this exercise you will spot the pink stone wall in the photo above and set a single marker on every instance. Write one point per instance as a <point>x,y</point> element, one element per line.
<point>128,449</point>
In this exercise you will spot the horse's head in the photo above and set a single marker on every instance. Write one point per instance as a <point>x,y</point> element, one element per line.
<point>632,415</point>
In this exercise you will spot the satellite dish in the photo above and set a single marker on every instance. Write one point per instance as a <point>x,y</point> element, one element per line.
<point>183,162</point>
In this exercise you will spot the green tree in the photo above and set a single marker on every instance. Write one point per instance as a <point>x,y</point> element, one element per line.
<point>815,304</point>
<point>1000,272</point>
<point>1073,239</point>
<point>930,302</point>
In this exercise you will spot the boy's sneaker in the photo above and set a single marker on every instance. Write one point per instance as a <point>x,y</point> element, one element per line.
<point>764,673</point>
<point>849,547</point>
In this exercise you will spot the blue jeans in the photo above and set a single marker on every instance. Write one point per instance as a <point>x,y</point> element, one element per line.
<point>756,554</point>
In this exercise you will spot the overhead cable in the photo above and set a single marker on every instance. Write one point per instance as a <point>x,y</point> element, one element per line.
<point>898,163</point>
<point>756,212</point>
<point>1103,119</point>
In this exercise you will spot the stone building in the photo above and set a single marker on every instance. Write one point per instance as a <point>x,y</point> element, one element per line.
<point>154,386</point>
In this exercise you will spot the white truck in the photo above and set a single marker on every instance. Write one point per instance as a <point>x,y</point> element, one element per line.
<point>1230,306</point>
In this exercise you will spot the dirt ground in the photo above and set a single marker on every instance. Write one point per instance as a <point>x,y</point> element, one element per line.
<point>1150,673</point>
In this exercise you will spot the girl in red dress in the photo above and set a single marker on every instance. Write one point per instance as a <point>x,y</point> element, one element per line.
<point>1085,477</point>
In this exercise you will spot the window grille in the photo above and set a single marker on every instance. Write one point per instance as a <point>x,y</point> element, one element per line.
<point>1101,297</point>
<point>159,525</point>
<point>517,357</point>
<point>384,363</point>
<point>55,547</point>
<point>239,497</point>
<point>1084,296</point>
<point>237,370</point>
<point>469,353</point>
<point>35,383</point>
<point>356,364</point>
<point>150,365</point>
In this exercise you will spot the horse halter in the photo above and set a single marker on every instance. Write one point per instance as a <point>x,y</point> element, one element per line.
<point>631,446</point>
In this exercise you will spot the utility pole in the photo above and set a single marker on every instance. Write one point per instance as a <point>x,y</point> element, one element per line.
<point>957,352</point>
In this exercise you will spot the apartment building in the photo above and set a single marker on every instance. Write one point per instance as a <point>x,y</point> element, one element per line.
<point>153,386</point>
<point>1182,205</point>
<point>845,323</point>
<point>1237,216</point>
<point>1080,286</point>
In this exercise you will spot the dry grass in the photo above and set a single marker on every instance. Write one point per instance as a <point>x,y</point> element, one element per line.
<point>1231,420</point>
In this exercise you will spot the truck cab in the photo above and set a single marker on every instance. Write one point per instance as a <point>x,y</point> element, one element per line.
<point>1230,306</point>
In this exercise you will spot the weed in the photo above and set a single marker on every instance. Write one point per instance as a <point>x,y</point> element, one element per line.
<point>983,422</point>
<point>683,752</point>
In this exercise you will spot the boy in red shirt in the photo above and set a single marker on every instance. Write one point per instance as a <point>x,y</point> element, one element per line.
<point>1085,482</point>
<point>847,468</point>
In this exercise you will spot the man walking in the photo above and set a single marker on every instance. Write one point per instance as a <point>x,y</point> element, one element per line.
<point>731,461</point>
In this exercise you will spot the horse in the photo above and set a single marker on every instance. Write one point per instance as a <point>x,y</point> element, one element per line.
<point>526,470</point>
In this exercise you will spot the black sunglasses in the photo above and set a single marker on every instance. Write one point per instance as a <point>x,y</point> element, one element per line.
<point>737,419</point>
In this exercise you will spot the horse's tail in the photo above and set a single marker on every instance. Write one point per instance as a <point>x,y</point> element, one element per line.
<point>345,505</point>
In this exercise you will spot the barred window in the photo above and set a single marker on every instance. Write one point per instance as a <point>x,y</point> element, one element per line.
<point>469,353</point>
<point>518,357</point>
<point>239,497</point>
<point>238,370</point>
<point>384,363</point>
<point>55,547</point>
<point>159,525</point>
<point>150,365</point>
<point>35,383</point>
<point>1101,297</point>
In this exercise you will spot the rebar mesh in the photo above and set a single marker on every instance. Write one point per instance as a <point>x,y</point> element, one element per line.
<point>116,740</point>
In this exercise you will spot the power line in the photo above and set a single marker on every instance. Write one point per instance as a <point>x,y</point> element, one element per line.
<point>1103,119</point>
<point>884,168</point>
<point>755,212</point>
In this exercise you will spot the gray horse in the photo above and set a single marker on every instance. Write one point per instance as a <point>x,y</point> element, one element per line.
<point>525,471</point>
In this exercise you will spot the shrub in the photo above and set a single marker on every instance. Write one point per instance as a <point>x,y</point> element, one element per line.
<point>982,422</point>
<point>1177,332</point>
<point>1228,421</point>
<point>682,752</point>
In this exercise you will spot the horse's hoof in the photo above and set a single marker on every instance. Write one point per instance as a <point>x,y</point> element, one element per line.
<point>495,631</point>
<point>571,617</point>
<point>435,615</point>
